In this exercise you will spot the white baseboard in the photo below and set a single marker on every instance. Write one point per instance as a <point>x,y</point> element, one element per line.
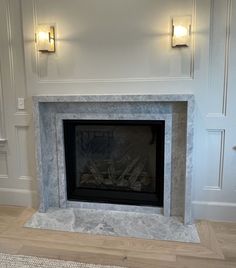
<point>219,211</point>
<point>18,197</point>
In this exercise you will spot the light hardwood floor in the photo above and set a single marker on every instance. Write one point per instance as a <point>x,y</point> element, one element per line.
<point>217,248</point>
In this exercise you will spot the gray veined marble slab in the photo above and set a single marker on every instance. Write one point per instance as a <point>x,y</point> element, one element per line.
<point>114,223</point>
<point>167,118</point>
<point>114,98</point>
<point>177,111</point>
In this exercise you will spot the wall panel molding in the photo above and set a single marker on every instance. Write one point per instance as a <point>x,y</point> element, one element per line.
<point>3,166</point>
<point>26,178</point>
<point>23,156</point>
<point>2,121</point>
<point>10,49</point>
<point>166,79</point>
<point>227,55</point>
<point>219,54</point>
<point>116,80</point>
<point>22,119</point>
<point>215,152</point>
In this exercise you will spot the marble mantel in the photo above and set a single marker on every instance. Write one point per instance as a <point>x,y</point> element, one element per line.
<point>176,109</point>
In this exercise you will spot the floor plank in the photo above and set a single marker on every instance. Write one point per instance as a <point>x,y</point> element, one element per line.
<point>217,247</point>
<point>190,262</point>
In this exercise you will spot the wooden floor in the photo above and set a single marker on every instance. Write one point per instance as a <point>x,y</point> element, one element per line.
<point>217,248</point>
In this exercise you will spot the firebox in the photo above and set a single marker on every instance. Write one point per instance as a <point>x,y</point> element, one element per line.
<point>115,161</point>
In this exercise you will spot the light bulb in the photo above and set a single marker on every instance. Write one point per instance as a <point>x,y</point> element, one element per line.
<point>180,31</point>
<point>43,36</point>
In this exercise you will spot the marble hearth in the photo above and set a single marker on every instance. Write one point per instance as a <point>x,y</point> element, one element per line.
<point>175,110</point>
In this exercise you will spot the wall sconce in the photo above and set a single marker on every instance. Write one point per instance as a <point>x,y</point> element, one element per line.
<point>181,31</point>
<point>45,38</point>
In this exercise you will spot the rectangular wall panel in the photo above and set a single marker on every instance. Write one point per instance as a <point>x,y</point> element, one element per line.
<point>110,40</point>
<point>215,159</point>
<point>3,165</point>
<point>2,129</point>
<point>23,155</point>
<point>218,56</point>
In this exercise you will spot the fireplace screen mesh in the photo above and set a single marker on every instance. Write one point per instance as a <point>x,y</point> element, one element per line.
<point>116,157</point>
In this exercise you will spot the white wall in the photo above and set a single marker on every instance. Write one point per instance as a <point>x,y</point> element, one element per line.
<point>122,47</point>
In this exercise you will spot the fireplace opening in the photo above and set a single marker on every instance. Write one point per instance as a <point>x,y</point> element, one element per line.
<point>115,161</point>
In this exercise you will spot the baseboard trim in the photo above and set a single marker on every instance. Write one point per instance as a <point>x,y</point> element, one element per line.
<point>219,211</point>
<point>18,197</point>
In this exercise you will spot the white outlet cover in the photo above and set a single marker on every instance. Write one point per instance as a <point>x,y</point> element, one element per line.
<point>21,104</point>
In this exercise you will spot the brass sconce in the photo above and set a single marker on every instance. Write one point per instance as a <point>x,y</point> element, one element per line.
<point>181,31</point>
<point>45,38</point>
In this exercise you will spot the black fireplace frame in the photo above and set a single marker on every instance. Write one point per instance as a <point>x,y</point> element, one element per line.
<point>113,196</point>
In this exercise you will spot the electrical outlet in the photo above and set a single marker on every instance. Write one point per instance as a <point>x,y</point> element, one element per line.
<point>21,104</point>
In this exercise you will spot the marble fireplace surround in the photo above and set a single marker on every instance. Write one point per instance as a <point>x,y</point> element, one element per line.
<point>177,112</point>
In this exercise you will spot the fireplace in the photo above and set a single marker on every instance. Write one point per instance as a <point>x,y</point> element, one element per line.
<point>50,113</point>
<point>115,161</point>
